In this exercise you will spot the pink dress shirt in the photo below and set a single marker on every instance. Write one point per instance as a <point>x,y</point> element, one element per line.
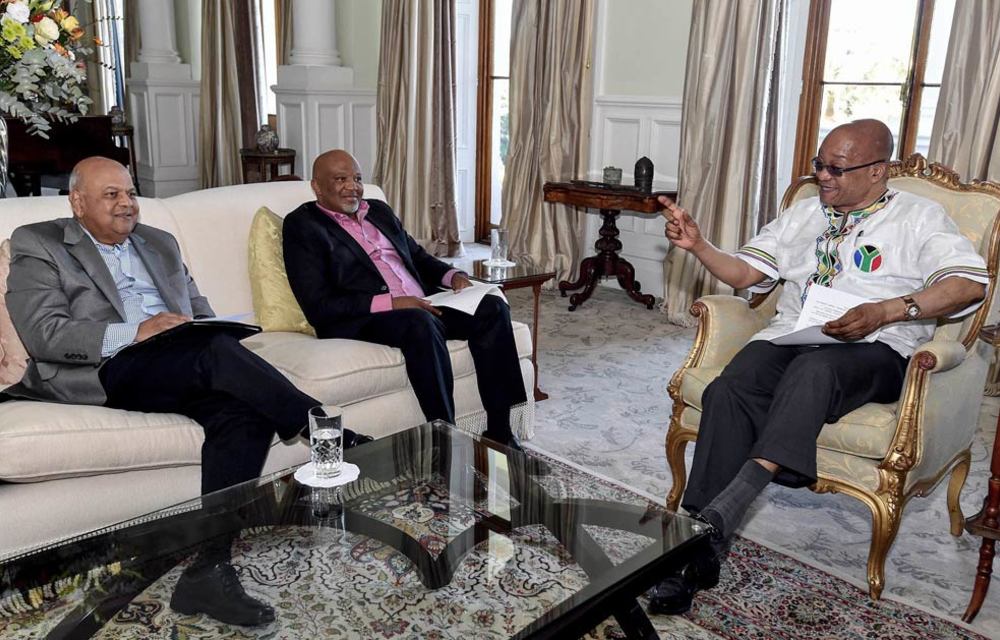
<point>384,256</point>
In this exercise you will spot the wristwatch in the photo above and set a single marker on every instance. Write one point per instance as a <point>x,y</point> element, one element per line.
<point>912,311</point>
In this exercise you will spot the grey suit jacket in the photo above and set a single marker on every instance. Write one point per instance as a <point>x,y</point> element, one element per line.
<point>61,297</point>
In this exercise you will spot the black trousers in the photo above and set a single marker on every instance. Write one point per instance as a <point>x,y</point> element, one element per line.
<point>771,401</point>
<point>240,400</point>
<point>421,336</point>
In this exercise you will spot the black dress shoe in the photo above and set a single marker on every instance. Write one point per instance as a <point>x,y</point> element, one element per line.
<point>351,438</point>
<point>216,591</point>
<point>674,594</point>
<point>535,466</point>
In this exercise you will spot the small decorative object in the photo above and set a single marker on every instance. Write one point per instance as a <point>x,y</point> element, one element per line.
<point>42,73</point>
<point>499,246</point>
<point>612,175</point>
<point>266,139</point>
<point>644,174</point>
<point>117,116</point>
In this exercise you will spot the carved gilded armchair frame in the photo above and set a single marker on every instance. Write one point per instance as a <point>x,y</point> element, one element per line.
<point>912,466</point>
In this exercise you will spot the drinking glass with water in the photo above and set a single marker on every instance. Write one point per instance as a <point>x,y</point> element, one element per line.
<point>326,440</point>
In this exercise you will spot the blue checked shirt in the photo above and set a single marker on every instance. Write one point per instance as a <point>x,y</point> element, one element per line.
<point>139,295</point>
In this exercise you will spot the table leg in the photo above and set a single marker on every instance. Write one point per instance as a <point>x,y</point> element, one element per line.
<point>986,523</point>
<point>607,262</point>
<point>539,394</point>
<point>635,623</point>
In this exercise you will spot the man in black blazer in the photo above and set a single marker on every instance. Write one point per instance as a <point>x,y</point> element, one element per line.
<point>359,275</point>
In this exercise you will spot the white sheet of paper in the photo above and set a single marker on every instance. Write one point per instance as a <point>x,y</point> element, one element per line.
<point>467,300</point>
<point>822,305</point>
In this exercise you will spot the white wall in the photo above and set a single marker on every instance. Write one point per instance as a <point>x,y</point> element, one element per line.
<point>187,19</point>
<point>359,23</point>
<point>639,60</point>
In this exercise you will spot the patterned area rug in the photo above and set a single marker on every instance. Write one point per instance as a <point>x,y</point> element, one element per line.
<point>324,582</point>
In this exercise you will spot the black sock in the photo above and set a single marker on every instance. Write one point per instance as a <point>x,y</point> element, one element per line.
<point>727,509</point>
<point>498,425</point>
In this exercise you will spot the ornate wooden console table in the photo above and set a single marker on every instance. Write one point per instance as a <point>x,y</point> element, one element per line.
<point>610,200</point>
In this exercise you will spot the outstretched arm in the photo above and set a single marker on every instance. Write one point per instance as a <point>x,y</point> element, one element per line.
<point>683,233</point>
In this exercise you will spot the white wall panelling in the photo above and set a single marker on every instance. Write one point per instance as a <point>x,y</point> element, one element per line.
<point>315,121</point>
<point>625,128</point>
<point>166,154</point>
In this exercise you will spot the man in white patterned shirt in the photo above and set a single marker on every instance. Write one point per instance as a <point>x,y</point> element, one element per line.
<point>82,289</point>
<point>762,415</point>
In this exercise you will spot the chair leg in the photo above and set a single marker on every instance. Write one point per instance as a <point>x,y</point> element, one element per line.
<point>885,526</point>
<point>955,484</point>
<point>676,443</point>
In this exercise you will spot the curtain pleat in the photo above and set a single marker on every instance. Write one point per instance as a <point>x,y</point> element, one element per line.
<point>550,98</point>
<point>727,177</point>
<point>965,135</point>
<point>415,114</point>
<point>220,131</point>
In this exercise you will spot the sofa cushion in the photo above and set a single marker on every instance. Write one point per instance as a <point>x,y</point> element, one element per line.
<point>46,440</point>
<point>13,356</point>
<point>347,371</point>
<point>273,301</point>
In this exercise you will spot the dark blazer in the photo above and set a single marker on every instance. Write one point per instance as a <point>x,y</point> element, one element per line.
<point>332,276</point>
<point>61,297</point>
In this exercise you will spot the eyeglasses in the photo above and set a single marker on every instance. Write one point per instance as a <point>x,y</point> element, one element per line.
<point>836,171</point>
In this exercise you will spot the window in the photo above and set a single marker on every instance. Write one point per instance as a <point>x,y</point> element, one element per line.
<point>493,111</point>
<point>872,59</point>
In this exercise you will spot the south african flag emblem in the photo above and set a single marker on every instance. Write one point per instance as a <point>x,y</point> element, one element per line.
<point>867,258</point>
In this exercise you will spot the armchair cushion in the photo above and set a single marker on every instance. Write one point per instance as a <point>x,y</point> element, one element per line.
<point>274,304</point>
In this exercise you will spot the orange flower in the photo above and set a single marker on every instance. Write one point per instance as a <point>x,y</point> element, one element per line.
<point>76,34</point>
<point>98,41</point>
<point>61,50</point>
<point>59,15</point>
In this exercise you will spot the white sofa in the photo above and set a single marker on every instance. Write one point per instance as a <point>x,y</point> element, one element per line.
<point>66,470</point>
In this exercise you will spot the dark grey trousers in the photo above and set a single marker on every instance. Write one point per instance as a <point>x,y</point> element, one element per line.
<point>771,401</point>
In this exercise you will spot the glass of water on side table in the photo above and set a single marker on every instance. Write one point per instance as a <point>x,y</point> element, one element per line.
<point>326,440</point>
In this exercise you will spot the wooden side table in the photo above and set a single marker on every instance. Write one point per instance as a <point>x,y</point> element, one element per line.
<point>986,523</point>
<point>517,277</point>
<point>261,166</point>
<point>610,200</point>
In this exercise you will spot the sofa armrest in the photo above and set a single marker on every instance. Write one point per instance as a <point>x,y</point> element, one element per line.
<point>939,355</point>
<point>725,323</point>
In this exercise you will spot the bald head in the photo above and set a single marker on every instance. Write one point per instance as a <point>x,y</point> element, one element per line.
<point>337,182</point>
<point>868,136</point>
<point>103,199</point>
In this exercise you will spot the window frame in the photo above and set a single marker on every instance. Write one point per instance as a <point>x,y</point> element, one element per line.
<point>484,122</point>
<point>814,62</point>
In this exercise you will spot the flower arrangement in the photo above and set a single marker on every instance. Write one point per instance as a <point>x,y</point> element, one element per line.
<point>42,73</point>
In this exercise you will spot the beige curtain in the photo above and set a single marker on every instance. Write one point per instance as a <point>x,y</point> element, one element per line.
<point>965,136</point>
<point>550,96</point>
<point>283,27</point>
<point>220,132</point>
<point>415,112</point>
<point>727,177</point>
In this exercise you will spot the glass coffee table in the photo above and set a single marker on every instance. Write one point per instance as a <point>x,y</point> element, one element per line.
<point>442,536</point>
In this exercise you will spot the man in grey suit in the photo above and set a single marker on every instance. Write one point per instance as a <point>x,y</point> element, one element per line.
<point>87,293</point>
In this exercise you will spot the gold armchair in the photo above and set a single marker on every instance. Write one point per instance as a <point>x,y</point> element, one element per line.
<point>881,454</point>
